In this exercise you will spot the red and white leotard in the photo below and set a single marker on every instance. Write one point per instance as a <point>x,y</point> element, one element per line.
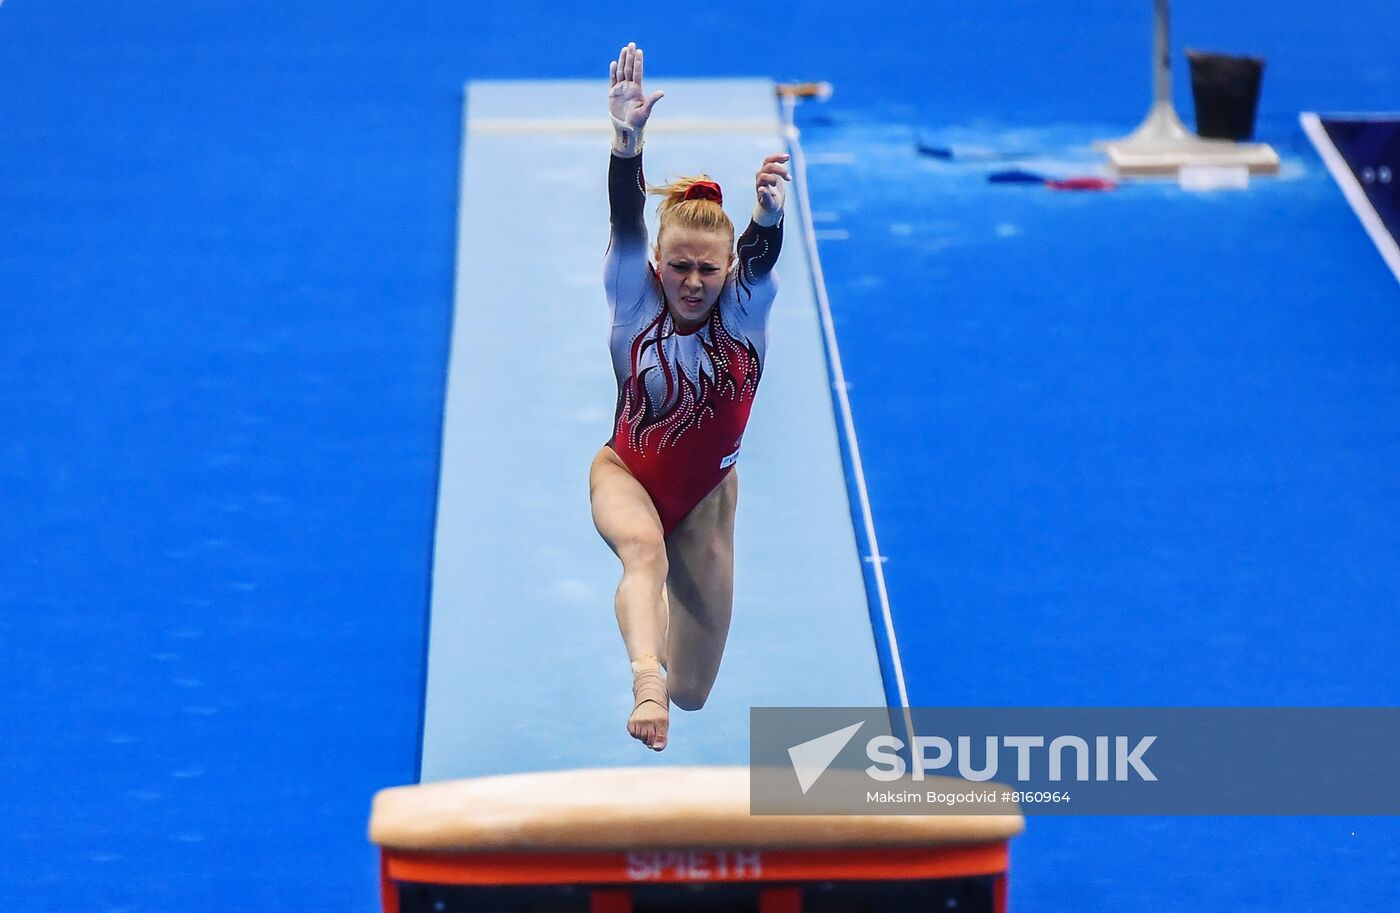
<point>683,399</point>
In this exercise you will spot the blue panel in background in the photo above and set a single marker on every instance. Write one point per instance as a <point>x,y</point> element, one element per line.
<point>1371,148</point>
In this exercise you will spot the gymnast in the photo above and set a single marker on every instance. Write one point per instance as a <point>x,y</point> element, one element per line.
<point>689,334</point>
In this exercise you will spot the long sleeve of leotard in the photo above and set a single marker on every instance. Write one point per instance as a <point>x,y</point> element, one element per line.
<point>627,274</point>
<point>755,283</point>
<point>758,250</point>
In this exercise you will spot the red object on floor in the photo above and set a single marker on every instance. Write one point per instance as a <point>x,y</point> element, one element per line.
<point>1083,184</point>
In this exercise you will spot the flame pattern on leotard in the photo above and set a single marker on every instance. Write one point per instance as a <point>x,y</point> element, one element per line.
<point>726,370</point>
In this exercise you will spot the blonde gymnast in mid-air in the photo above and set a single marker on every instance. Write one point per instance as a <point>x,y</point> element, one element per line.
<point>689,333</point>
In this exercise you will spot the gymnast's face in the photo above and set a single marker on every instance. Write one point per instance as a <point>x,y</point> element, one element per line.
<point>693,265</point>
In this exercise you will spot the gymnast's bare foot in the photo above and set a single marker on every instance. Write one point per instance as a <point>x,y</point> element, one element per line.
<point>651,711</point>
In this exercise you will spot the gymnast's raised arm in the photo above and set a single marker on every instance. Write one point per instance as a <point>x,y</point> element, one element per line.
<point>628,105</point>
<point>761,242</point>
<point>626,268</point>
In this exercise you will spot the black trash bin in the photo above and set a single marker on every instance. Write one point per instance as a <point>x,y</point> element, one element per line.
<point>1226,92</point>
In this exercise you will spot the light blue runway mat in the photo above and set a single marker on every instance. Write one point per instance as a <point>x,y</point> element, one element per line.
<point>526,667</point>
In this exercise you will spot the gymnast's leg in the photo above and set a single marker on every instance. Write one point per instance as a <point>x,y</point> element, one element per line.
<point>700,586</point>
<point>628,522</point>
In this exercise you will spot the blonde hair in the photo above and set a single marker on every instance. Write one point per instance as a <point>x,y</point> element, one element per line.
<point>698,214</point>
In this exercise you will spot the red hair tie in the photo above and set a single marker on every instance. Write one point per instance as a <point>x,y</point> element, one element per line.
<point>704,190</point>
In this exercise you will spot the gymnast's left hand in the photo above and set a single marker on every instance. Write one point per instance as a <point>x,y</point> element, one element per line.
<point>768,183</point>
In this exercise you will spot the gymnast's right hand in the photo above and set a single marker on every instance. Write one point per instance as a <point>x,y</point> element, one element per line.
<point>628,104</point>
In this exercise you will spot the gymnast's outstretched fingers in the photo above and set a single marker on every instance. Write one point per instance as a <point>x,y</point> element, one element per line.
<point>628,102</point>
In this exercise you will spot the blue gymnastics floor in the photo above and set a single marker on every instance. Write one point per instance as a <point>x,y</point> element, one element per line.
<point>1149,437</point>
<point>1147,458</point>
